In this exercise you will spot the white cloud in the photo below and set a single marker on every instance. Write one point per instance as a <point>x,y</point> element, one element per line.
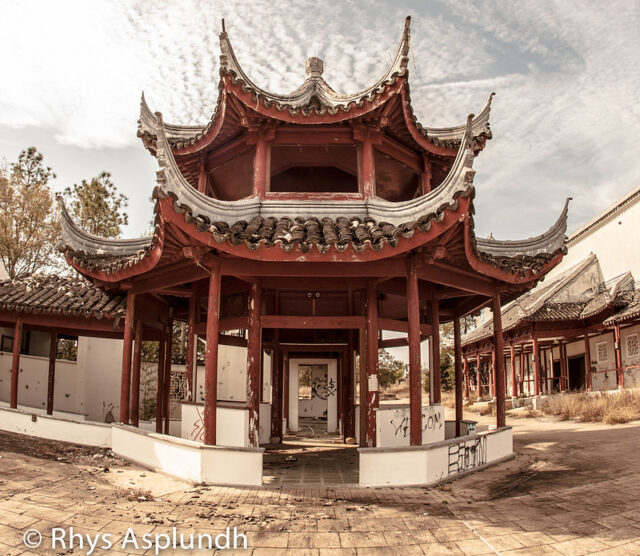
<point>564,119</point>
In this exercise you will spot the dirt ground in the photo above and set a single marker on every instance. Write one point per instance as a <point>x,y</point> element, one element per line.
<point>572,489</point>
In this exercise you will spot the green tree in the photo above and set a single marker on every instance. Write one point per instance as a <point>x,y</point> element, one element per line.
<point>96,206</point>
<point>29,228</point>
<point>390,369</point>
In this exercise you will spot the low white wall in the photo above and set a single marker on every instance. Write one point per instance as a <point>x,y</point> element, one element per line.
<point>393,426</point>
<point>187,459</point>
<point>426,465</point>
<point>175,427</point>
<point>54,428</point>
<point>232,425</point>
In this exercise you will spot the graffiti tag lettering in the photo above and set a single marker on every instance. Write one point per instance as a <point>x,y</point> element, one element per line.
<point>467,455</point>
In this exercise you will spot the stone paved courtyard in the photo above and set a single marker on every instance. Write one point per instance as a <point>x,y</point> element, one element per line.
<point>573,489</point>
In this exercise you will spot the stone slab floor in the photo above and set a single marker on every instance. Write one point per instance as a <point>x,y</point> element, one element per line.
<point>573,489</point>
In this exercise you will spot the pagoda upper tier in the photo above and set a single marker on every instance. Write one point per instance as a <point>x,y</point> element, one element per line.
<point>217,157</point>
<point>315,177</point>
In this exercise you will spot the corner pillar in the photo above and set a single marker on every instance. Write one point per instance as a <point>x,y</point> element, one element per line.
<point>254,352</point>
<point>435,379</point>
<point>125,381</point>
<point>536,366</point>
<point>457,365</point>
<point>211,357</point>
<point>587,361</point>
<point>160,388</point>
<point>415,370</point>
<point>168,360</point>
<point>373,397</point>
<point>135,379</point>
<point>191,346</point>
<point>498,343</point>
<point>514,383</point>
<point>618,349</point>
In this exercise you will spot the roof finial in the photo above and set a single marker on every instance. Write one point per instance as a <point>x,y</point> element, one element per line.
<point>314,67</point>
<point>223,27</point>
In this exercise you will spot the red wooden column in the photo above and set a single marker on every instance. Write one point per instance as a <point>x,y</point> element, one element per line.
<point>415,368</point>
<point>168,360</point>
<point>202,174</point>
<point>467,386</point>
<point>492,374</point>
<point>53,345</point>
<point>457,366</point>
<point>15,363</point>
<point>211,357</point>
<point>277,382</point>
<point>372,363</point>
<point>340,389</point>
<point>564,382</point>
<point>618,349</point>
<point>521,368</point>
<point>587,361</point>
<point>536,366</point>
<point>367,165</point>
<point>125,381</point>
<point>261,161</point>
<point>498,343</point>
<point>479,375</point>
<point>160,389</point>
<point>135,379</point>
<point>435,381</point>
<point>254,351</point>
<point>191,345</point>
<point>349,399</point>
<point>514,382</point>
<point>362,351</point>
<point>277,391</point>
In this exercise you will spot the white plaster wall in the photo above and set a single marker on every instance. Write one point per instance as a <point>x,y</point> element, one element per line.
<point>33,380</point>
<point>615,243</point>
<point>232,425</point>
<point>266,376</point>
<point>232,374</point>
<point>53,428</point>
<point>393,425</point>
<point>264,424</point>
<point>433,463</point>
<point>100,366</point>
<point>187,459</point>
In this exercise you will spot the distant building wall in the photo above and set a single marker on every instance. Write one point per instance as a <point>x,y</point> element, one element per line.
<point>612,236</point>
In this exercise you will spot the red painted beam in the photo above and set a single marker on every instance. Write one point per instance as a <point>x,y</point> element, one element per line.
<point>401,326</point>
<point>44,321</point>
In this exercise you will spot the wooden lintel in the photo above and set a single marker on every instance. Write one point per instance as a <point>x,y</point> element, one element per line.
<point>383,268</point>
<point>455,278</point>
<point>312,322</point>
<point>313,347</point>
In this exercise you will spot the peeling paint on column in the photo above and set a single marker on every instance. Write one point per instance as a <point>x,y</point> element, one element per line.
<point>254,349</point>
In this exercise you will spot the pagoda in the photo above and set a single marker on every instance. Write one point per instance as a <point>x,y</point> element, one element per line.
<point>312,221</point>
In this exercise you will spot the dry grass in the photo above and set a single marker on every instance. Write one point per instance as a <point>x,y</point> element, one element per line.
<point>602,407</point>
<point>525,413</point>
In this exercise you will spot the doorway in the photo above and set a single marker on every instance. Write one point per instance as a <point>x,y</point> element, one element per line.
<point>576,373</point>
<point>313,395</point>
<point>557,374</point>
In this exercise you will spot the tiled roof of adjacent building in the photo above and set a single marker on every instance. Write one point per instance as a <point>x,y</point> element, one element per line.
<point>44,294</point>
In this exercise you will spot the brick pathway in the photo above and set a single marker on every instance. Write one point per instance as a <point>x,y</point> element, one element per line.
<point>520,507</point>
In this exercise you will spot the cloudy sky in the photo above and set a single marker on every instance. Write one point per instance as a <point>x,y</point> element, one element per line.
<point>565,117</point>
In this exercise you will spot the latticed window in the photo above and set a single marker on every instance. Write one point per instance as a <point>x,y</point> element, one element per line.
<point>178,385</point>
<point>603,355</point>
<point>633,346</point>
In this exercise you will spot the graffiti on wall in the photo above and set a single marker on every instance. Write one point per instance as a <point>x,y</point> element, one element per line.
<point>467,454</point>
<point>432,422</point>
<point>198,427</point>
<point>322,388</point>
<point>401,428</point>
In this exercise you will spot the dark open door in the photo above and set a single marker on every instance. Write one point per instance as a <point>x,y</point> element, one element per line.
<point>576,373</point>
